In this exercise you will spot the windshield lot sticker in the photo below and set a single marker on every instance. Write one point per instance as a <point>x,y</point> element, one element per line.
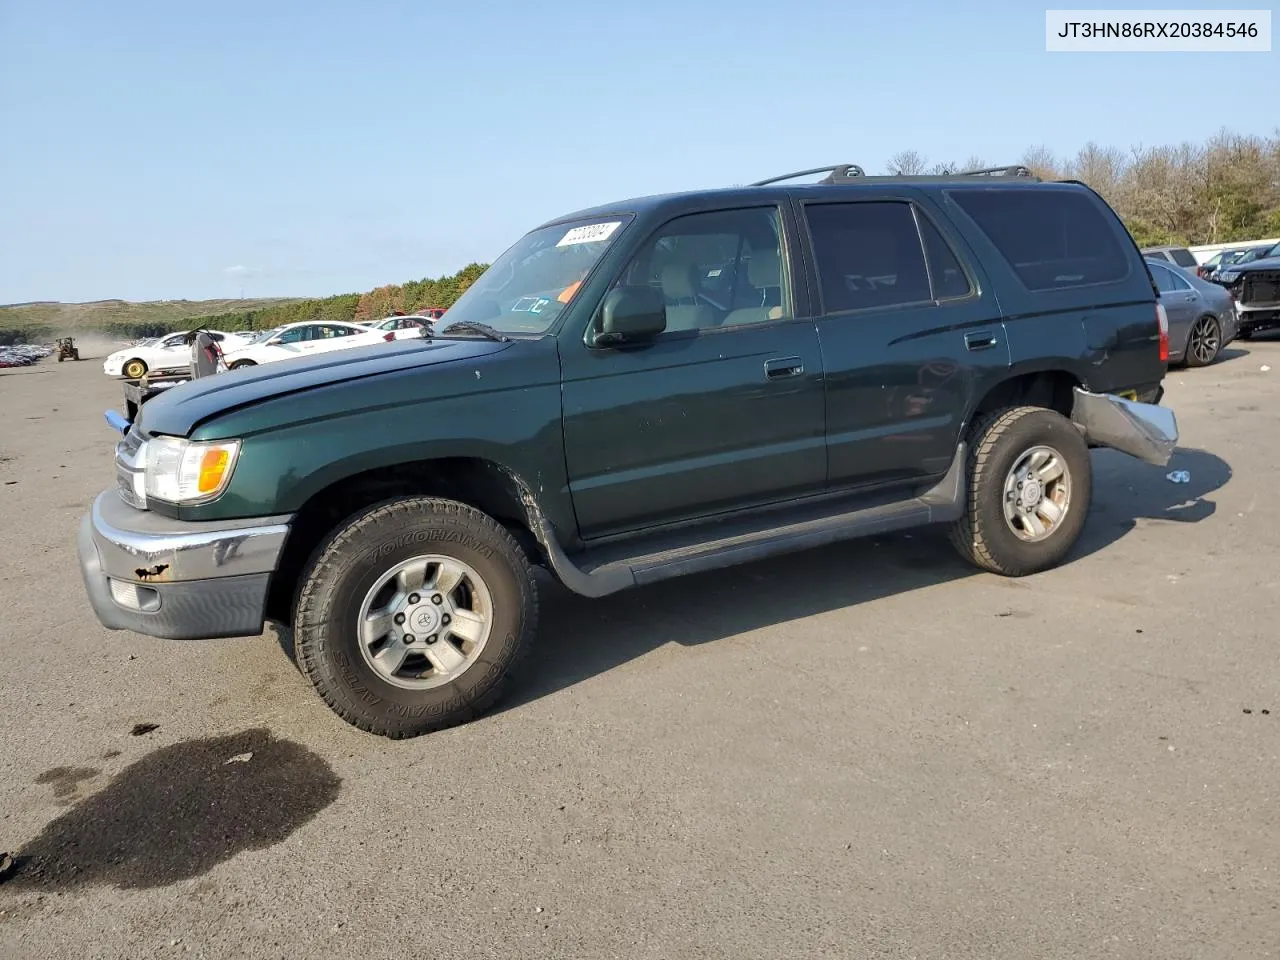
<point>589,234</point>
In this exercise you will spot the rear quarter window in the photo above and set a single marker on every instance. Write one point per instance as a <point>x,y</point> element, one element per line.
<point>1052,239</point>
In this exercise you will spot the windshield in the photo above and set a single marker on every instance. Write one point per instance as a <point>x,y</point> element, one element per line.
<point>528,287</point>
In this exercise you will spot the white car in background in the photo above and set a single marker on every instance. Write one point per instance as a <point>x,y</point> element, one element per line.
<point>168,354</point>
<point>403,327</point>
<point>302,340</point>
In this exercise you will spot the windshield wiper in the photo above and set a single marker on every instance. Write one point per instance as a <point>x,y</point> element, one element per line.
<point>472,326</point>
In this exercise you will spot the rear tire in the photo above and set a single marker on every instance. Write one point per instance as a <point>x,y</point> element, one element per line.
<point>1204,341</point>
<point>1013,494</point>
<point>358,651</point>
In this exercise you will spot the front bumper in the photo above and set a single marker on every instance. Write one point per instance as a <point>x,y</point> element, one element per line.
<point>1147,431</point>
<point>173,579</point>
<point>1257,318</point>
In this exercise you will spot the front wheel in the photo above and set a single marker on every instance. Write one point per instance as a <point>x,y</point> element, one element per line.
<point>134,369</point>
<point>242,363</point>
<point>411,617</point>
<point>1204,342</point>
<point>1030,481</point>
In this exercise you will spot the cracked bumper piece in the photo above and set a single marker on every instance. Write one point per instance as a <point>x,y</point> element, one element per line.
<point>176,580</point>
<point>1147,431</point>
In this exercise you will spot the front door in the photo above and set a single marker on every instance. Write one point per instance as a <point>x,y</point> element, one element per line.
<point>908,337</point>
<point>724,409</point>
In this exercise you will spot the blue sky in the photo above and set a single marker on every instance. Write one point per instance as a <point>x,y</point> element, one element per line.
<point>156,150</point>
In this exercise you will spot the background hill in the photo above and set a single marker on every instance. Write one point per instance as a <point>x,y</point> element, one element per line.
<point>125,320</point>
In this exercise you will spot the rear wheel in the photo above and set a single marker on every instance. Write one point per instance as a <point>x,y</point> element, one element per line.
<point>1204,342</point>
<point>135,369</point>
<point>242,363</point>
<point>412,616</point>
<point>1030,483</point>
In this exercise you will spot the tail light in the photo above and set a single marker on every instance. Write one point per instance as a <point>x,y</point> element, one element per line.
<point>1162,319</point>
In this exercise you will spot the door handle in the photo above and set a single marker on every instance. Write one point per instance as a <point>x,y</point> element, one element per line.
<point>783,367</point>
<point>980,341</point>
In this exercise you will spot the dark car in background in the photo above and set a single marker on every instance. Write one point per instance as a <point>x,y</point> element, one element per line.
<point>1255,288</point>
<point>1222,257</point>
<point>1202,315</point>
<point>1241,256</point>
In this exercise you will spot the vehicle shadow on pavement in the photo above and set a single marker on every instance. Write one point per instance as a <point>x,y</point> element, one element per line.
<point>174,814</point>
<point>579,638</point>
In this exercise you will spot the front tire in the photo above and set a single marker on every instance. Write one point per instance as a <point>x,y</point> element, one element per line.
<point>413,615</point>
<point>135,369</point>
<point>239,364</point>
<point>1030,482</point>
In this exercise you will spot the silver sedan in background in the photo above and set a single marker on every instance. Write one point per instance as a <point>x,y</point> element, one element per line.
<point>1202,315</point>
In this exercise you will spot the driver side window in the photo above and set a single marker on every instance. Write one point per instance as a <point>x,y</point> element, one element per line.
<point>720,269</point>
<point>296,335</point>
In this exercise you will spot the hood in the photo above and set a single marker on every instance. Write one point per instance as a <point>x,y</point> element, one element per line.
<point>1268,263</point>
<point>178,410</point>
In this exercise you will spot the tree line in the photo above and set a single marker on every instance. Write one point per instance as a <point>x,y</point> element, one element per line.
<point>373,305</point>
<point>1220,191</point>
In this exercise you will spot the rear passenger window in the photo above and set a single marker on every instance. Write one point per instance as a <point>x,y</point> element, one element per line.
<point>868,255</point>
<point>1053,239</point>
<point>949,279</point>
<point>1164,279</point>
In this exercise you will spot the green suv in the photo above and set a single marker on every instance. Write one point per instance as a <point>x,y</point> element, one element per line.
<point>646,389</point>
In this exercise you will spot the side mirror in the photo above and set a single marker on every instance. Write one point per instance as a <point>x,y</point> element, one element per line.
<point>630,314</point>
<point>273,341</point>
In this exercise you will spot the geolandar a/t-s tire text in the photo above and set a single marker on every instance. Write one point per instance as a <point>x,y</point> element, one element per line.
<point>412,616</point>
<point>1030,480</point>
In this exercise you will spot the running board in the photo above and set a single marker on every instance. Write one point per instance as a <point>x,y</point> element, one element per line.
<point>754,538</point>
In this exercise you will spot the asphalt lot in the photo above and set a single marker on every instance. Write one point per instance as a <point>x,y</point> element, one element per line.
<point>869,750</point>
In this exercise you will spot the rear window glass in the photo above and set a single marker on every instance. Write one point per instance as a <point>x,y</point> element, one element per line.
<point>1053,239</point>
<point>1183,258</point>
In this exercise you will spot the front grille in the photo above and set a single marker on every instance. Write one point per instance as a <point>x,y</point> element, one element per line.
<point>1261,289</point>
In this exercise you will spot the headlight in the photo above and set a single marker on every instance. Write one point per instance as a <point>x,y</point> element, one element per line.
<point>180,471</point>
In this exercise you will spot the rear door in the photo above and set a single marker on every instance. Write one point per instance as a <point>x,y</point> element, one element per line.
<point>724,409</point>
<point>909,330</point>
<point>1180,305</point>
<point>324,337</point>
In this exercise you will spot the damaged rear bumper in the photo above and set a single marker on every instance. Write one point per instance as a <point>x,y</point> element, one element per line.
<point>177,580</point>
<point>1147,431</point>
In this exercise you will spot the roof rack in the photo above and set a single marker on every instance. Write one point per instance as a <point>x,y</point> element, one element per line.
<point>1017,170</point>
<point>850,172</point>
<point>841,171</point>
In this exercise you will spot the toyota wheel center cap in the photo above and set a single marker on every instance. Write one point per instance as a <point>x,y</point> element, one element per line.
<point>1031,493</point>
<point>424,620</point>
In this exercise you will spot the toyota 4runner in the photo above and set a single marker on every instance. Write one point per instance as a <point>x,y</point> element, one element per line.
<point>639,391</point>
